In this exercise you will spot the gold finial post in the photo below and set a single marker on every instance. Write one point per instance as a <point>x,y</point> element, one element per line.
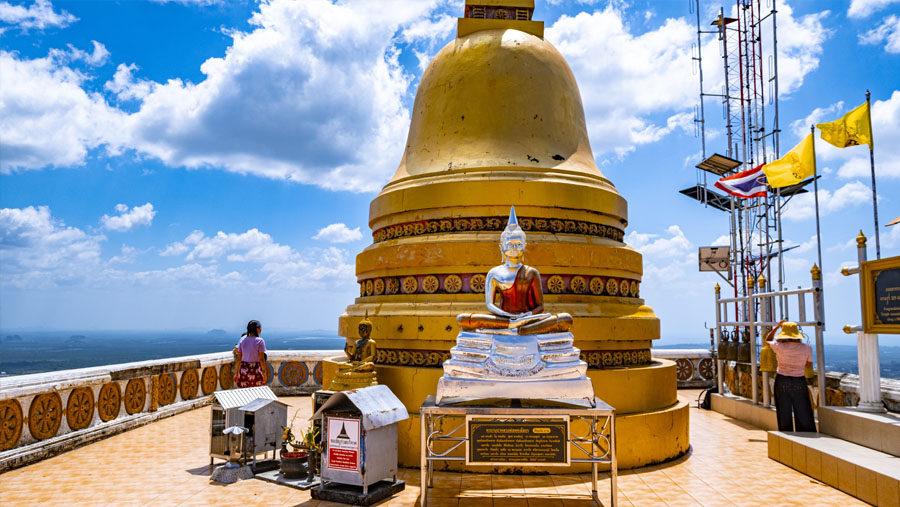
<point>762,281</point>
<point>750,282</point>
<point>816,272</point>
<point>718,289</point>
<point>861,240</point>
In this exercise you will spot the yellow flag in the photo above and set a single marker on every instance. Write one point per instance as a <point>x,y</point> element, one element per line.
<point>851,130</point>
<point>797,165</point>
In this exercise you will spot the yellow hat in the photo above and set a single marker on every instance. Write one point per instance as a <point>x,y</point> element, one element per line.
<point>789,331</point>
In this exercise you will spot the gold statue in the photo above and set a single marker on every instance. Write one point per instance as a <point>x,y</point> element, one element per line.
<point>513,292</point>
<point>359,368</point>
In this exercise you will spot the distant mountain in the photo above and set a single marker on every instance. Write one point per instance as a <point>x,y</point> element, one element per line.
<point>217,332</point>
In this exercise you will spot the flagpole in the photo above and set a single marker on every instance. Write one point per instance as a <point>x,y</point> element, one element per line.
<point>872,164</point>
<point>812,133</point>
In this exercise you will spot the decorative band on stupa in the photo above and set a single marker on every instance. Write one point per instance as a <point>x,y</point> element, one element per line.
<point>490,224</point>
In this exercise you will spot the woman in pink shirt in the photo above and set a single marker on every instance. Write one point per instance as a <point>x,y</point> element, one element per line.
<point>251,355</point>
<point>791,394</point>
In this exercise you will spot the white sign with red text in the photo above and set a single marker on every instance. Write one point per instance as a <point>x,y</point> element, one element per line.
<point>343,444</point>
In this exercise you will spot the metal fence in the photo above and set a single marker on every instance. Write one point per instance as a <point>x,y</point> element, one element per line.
<point>751,316</point>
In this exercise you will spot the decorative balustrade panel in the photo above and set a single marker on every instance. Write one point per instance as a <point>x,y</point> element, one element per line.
<point>43,414</point>
<point>693,367</point>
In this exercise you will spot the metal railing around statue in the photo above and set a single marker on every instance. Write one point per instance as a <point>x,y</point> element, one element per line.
<point>745,319</point>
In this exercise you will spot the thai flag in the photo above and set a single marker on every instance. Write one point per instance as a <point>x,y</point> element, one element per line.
<point>746,184</point>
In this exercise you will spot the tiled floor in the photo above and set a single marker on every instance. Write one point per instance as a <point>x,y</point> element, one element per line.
<point>166,463</point>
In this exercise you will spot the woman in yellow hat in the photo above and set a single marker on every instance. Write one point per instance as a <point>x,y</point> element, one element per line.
<point>792,403</point>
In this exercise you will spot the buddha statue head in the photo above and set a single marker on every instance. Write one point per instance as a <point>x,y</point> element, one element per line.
<point>512,239</point>
<point>365,328</point>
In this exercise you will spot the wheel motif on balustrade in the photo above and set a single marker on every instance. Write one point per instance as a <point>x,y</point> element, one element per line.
<point>45,415</point>
<point>634,288</point>
<point>684,369</point>
<point>226,376</point>
<point>108,401</point>
<point>430,284</point>
<point>190,381</point>
<point>612,288</point>
<point>293,373</point>
<point>392,286</point>
<point>476,283</point>
<point>596,286</point>
<point>555,284</point>
<point>370,288</point>
<point>410,285</point>
<point>270,373</point>
<point>209,380</point>
<point>318,371</point>
<point>379,286</point>
<point>624,288</point>
<point>577,284</point>
<point>453,284</point>
<point>10,424</point>
<point>167,388</point>
<point>80,408</point>
<point>707,369</point>
<point>135,396</point>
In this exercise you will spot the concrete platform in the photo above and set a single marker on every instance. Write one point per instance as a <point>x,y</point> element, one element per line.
<point>744,410</point>
<point>865,473</point>
<point>727,465</point>
<point>880,432</point>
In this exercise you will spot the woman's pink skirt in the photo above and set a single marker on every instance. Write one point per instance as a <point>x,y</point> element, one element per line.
<point>250,375</point>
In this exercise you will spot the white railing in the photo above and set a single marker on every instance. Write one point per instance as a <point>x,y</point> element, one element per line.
<point>747,314</point>
<point>44,414</point>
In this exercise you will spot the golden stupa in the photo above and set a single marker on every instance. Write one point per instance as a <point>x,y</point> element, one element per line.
<point>498,121</point>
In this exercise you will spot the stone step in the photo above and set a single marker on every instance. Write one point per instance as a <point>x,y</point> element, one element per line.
<point>875,431</point>
<point>865,473</point>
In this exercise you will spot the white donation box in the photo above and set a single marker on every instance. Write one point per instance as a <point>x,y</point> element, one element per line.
<point>359,436</point>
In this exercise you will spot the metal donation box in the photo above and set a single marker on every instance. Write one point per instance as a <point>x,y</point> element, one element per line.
<point>255,408</point>
<point>359,435</point>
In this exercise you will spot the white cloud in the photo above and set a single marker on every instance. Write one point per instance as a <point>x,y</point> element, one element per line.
<point>853,162</point>
<point>802,206</point>
<point>313,94</point>
<point>125,86</point>
<point>95,58</point>
<point>278,265</point>
<point>338,233</point>
<point>655,63</point>
<point>38,15</point>
<point>800,43</point>
<point>864,8</point>
<point>887,33</point>
<point>890,238</point>
<point>36,249</point>
<point>127,219</point>
<point>128,255</point>
<point>48,119</point>
<point>174,249</point>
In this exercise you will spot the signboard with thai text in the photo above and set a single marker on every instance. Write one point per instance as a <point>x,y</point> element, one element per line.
<point>520,441</point>
<point>343,444</point>
<point>880,280</point>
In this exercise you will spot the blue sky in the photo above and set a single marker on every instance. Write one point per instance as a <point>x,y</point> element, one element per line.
<point>195,164</point>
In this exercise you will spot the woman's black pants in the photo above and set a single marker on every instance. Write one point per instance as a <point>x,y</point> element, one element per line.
<point>792,404</point>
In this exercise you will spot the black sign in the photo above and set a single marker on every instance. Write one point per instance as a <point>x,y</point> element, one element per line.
<point>518,442</point>
<point>887,296</point>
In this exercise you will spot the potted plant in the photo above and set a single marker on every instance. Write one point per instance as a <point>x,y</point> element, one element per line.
<point>292,462</point>
<point>309,441</point>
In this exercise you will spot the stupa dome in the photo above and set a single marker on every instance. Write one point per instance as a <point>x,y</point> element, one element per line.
<point>497,99</point>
